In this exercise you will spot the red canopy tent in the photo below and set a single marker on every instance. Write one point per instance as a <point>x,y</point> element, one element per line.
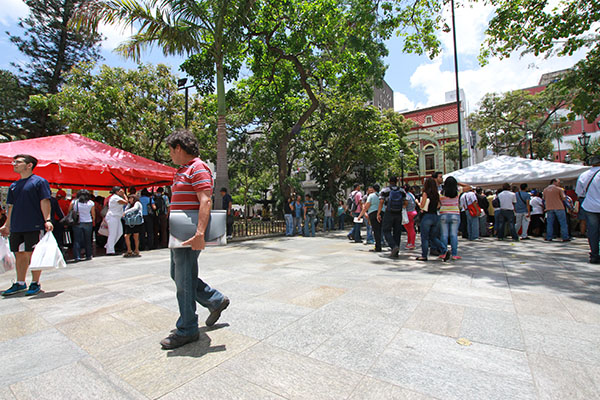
<point>75,161</point>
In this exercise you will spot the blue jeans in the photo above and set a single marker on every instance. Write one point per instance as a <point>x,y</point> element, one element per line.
<point>507,217</point>
<point>309,226</point>
<point>472,226</point>
<point>593,233</point>
<point>450,223</point>
<point>430,233</point>
<point>328,223</point>
<point>297,225</point>
<point>82,237</point>
<point>370,238</point>
<point>341,221</point>
<point>561,215</point>
<point>355,233</point>
<point>190,289</point>
<point>289,225</point>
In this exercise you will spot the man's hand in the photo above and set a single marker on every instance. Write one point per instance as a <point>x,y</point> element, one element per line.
<point>378,217</point>
<point>196,241</point>
<point>4,230</point>
<point>48,226</point>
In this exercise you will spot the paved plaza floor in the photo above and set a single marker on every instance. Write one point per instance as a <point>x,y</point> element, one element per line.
<point>315,318</point>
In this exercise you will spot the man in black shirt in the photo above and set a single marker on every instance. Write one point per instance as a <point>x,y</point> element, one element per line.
<point>394,198</point>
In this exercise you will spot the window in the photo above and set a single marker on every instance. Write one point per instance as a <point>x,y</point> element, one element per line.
<point>429,162</point>
<point>429,119</point>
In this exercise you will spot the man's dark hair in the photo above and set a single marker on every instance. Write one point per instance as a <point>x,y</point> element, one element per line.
<point>376,187</point>
<point>132,190</point>
<point>145,192</point>
<point>28,159</point>
<point>115,189</point>
<point>506,186</point>
<point>479,190</point>
<point>523,186</point>
<point>308,196</point>
<point>184,139</point>
<point>552,181</point>
<point>223,189</point>
<point>160,190</point>
<point>393,179</point>
<point>436,174</point>
<point>356,185</point>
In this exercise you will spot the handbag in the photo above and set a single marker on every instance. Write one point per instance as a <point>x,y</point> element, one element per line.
<point>496,202</point>
<point>72,217</point>
<point>133,218</point>
<point>7,258</point>
<point>46,254</point>
<point>103,229</point>
<point>474,209</point>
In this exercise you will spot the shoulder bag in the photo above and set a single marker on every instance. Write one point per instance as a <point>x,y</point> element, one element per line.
<point>72,217</point>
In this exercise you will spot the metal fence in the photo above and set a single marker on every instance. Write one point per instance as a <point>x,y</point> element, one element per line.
<point>251,228</point>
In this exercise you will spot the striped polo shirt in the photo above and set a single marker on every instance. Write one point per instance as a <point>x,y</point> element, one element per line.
<point>190,179</point>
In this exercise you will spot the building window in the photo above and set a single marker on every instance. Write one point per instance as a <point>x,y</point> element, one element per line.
<point>429,162</point>
<point>429,119</point>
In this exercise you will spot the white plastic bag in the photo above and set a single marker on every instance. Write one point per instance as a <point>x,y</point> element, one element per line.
<point>46,254</point>
<point>7,258</point>
<point>103,230</point>
<point>404,216</point>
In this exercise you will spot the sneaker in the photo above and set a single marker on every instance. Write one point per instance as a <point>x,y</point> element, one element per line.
<point>174,341</point>
<point>456,257</point>
<point>447,255</point>
<point>395,251</point>
<point>216,313</point>
<point>34,288</point>
<point>14,289</point>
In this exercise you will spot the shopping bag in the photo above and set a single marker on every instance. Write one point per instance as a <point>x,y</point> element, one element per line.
<point>7,258</point>
<point>103,230</point>
<point>46,254</point>
<point>404,216</point>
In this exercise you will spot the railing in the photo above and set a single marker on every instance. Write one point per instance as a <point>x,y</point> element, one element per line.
<point>251,228</point>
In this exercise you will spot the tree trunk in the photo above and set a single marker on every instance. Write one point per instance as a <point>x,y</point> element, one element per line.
<point>222,179</point>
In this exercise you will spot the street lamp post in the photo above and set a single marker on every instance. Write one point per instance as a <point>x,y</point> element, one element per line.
<point>181,86</point>
<point>460,160</point>
<point>530,138</point>
<point>567,158</point>
<point>401,153</point>
<point>584,140</point>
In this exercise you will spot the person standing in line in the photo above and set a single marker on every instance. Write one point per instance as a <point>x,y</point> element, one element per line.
<point>430,203</point>
<point>28,216</point>
<point>116,202</point>
<point>288,209</point>
<point>192,190</point>
<point>310,215</point>
<point>227,205</point>
<point>537,214</point>
<point>82,231</point>
<point>133,230</point>
<point>355,205</point>
<point>450,216</point>
<point>148,210</point>
<point>161,201</point>
<point>483,217</point>
<point>523,211</point>
<point>469,197</point>
<point>341,215</point>
<point>370,209</point>
<point>588,190</point>
<point>59,230</point>
<point>411,211</point>
<point>507,212</point>
<point>298,212</point>
<point>394,198</point>
<point>328,216</point>
<point>554,198</point>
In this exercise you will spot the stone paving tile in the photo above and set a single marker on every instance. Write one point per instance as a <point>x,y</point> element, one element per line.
<point>11,305</point>
<point>219,383</point>
<point>585,309</point>
<point>85,380</point>
<point>31,355</point>
<point>155,372</point>
<point>20,324</point>
<point>439,367</point>
<point>292,376</point>
<point>318,297</point>
<point>148,316</point>
<point>560,379</point>
<point>541,305</point>
<point>493,299</point>
<point>370,389</point>
<point>497,328</point>
<point>439,318</point>
<point>6,394</point>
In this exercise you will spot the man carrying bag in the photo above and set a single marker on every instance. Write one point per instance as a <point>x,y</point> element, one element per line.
<point>192,190</point>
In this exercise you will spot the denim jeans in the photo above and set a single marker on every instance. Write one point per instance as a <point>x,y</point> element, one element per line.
<point>309,226</point>
<point>370,238</point>
<point>297,225</point>
<point>341,221</point>
<point>507,217</point>
<point>392,228</point>
<point>472,226</point>
<point>522,222</point>
<point>450,223</point>
<point>376,226</point>
<point>430,233</point>
<point>190,289</point>
<point>328,223</point>
<point>561,215</point>
<point>82,237</point>
<point>356,230</point>
<point>289,225</point>
<point>593,233</point>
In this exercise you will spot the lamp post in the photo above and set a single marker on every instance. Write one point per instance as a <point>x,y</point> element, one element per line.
<point>181,86</point>
<point>567,158</point>
<point>530,138</point>
<point>460,160</point>
<point>401,154</point>
<point>584,140</point>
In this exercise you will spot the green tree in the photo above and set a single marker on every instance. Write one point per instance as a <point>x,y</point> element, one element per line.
<point>562,29</point>
<point>134,110</point>
<point>209,31</point>
<point>451,152</point>
<point>504,121</point>
<point>577,151</point>
<point>53,48</point>
<point>13,106</point>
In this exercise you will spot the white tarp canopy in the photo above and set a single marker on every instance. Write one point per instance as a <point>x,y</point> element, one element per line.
<point>516,170</point>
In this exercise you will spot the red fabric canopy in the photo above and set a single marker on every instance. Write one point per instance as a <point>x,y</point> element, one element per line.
<point>75,161</point>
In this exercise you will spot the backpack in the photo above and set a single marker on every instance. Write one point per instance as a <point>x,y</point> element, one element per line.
<point>496,202</point>
<point>350,203</point>
<point>395,201</point>
<point>161,208</point>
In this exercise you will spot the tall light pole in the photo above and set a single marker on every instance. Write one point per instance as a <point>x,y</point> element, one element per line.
<point>584,140</point>
<point>181,86</point>
<point>401,153</point>
<point>460,160</point>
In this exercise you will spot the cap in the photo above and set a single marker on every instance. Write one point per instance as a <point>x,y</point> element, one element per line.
<point>61,193</point>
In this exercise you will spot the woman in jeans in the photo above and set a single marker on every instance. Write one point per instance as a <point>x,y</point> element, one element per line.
<point>82,231</point>
<point>450,216</point>
<point>429,219</point>
<point>341,214</point>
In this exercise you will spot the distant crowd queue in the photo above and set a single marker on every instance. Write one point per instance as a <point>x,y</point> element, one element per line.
<point>444,208</point>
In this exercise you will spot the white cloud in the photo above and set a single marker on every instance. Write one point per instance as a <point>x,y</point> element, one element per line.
<point>471,23</point>
<point>114,35</point>
<point>402,103</point>
<point>11,11</point>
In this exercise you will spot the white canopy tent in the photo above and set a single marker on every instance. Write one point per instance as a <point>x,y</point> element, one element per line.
<point>516,170</point>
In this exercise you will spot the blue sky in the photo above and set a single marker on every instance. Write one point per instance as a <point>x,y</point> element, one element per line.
<point>417,81</point>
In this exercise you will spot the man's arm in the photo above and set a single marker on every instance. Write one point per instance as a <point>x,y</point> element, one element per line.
<point>381,200</point>
<point>364,209</point>
<point>5,229</point>
<point>198,241</point>
<point>46,211</point>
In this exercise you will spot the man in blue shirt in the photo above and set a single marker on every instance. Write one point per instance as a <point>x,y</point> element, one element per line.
<point>298,212</point>
<point>523,211</point>
<point>29,209</point>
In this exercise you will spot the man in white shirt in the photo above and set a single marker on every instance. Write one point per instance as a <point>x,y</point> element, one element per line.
<point>588,187</point>
<point>507,212</point>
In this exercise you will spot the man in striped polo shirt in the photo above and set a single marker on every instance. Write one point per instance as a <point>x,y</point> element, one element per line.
<point>192,190</point>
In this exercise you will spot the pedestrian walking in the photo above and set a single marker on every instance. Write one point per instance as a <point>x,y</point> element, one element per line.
<point>288,209</point>
<point>588,189</point>
<point>370,210</point>
<point>327,216</point>
<point>394,198</point>
<point>411,212</point>
<point>450,218</point>
<point>430,202</point>
<point>298,215</point>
